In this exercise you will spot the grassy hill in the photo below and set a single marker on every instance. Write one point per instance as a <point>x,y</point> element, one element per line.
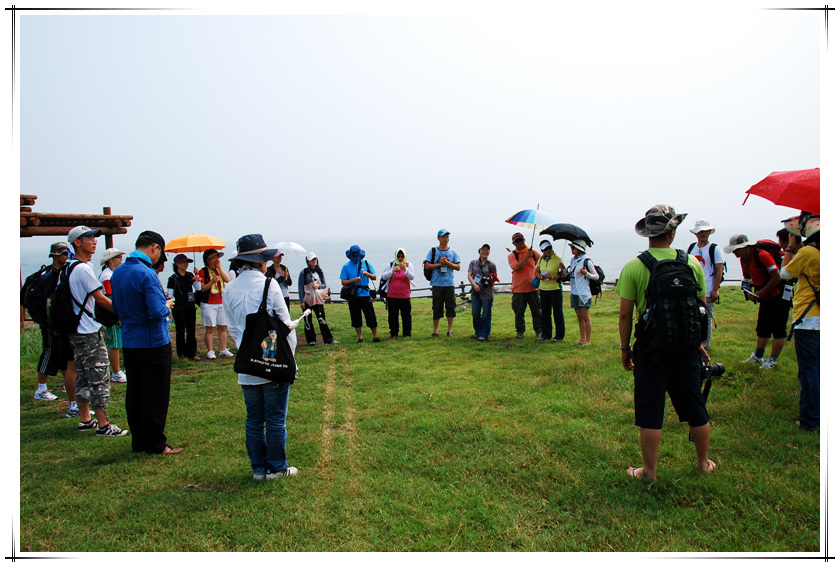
<point>441,444</point>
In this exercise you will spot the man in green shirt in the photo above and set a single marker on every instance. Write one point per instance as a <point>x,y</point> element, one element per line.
<point>655,373</point>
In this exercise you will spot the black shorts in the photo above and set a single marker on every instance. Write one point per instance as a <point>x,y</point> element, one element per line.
<point>772,318</point>
<point>443,297</point>
<point>359,305</point>
<point>56,352</point>
<point>679,375</point>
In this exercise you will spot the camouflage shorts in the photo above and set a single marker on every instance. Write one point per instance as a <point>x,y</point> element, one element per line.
<point>92,378</point>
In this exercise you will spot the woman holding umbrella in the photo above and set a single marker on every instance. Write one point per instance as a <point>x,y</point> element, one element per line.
<point>581,270</point>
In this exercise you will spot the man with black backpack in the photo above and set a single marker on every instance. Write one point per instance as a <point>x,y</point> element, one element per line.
<point>666,287</point>
<point>760,262</point>
<point>56,352</point>
<point>93,383</point>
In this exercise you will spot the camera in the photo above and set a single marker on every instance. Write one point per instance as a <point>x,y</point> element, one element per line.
<point>484,283</point>
<point>709,370</point>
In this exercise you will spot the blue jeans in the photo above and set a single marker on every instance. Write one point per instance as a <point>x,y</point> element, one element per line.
<point>482,313</point>
<point>807,344</point>
<point>265,426</point>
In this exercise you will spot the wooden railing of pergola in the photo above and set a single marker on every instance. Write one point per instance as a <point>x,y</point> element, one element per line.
<point>59,224</point>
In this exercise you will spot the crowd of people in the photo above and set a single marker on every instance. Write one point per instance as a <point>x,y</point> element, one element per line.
<point>666,357</point>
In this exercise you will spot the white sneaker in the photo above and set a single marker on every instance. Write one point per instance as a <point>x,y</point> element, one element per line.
<point>291,471</point>
<point>226,352</point>
<point>754,359</point>
<point>118,377</point>
<point>45,395</point>
<point>211,355</point>
<point>768,363</point>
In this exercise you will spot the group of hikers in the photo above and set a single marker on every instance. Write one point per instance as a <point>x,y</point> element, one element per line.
<point>669,294</point>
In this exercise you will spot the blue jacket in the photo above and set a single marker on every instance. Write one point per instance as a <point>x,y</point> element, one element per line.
<point>139,301</point>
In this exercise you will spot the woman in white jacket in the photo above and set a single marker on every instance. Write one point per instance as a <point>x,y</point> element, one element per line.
<point>266,402</point>
<point>581,270</point>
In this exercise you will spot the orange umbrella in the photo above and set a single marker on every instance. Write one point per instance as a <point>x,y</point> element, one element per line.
<point>194,243</point>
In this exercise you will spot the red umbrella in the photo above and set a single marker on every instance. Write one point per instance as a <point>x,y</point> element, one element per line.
<point>798,189</point>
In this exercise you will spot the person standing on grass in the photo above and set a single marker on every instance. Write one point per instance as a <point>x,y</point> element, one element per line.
<point>113,338</point>
<point>482,275</point>
<point>143,308</point>
<point>759,267</point>
<point>182,286</point>
<point>548,270</point>
<point>656,372</point>
<point>93,384</point>
<point>444,262</point>
<point>56,351</point>
<point>313,292</point>
<point>581,270</point>
<point>399,276</point>
<point>359,272</point>
<point>281,275</point>
<point>266,402</point>
<point>213,280</point>
<point>802,260</point>
<point>710,257</point>
<point>522,262</point>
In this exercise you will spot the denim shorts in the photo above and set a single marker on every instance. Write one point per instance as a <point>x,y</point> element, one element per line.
<point>577,304</point>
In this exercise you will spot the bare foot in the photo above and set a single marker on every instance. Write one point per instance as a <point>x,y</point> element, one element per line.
<point>710,466</point>
<point>638,473</point>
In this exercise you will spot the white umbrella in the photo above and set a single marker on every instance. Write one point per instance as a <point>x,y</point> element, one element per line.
<point>289,248</point>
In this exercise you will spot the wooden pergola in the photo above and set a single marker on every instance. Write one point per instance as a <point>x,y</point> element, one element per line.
<point>60,224</point>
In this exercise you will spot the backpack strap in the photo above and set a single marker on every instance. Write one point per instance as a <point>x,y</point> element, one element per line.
<point>648,260</point>
<point>814,301</point>
<point>691,247</point>
<point>81,305</point>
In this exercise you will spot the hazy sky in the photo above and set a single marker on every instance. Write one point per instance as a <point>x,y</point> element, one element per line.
<point>306,126</point>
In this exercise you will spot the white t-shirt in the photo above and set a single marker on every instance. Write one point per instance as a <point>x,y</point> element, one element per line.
<point>702,255</point>
<point>82,282</point>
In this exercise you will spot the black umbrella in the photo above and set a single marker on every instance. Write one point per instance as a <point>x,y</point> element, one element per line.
<point>566,231</point>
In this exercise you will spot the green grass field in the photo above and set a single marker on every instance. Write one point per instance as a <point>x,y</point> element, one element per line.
<point>441,444</point>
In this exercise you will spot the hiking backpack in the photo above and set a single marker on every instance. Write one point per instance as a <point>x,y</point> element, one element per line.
<point>427,273</point>
<point>773,248</point>
<point>35,291</point>
<point>596,285</point>
<point>711,255</point>
<point>675,320</point>
<point>60,314</point>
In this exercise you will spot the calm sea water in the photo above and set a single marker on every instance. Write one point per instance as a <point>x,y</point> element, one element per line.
<point>612,249</point>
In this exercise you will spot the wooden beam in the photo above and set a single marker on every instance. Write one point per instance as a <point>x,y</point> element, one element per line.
<point>26,231</point>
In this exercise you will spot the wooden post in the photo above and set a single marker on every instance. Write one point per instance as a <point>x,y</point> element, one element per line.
<point>109,239</point>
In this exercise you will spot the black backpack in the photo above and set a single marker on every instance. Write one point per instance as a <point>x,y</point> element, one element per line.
<point>60,314</point>
<point>427,273</point>
<point>711,254</point>
<point>595,286</point>
<point>675,320</point>
<point>776,251</point>
<point>35,291</point>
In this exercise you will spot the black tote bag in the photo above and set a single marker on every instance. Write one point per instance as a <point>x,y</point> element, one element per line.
<point>264,351</point>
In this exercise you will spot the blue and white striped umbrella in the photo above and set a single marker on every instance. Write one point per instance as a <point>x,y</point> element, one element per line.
<point>532,218</point>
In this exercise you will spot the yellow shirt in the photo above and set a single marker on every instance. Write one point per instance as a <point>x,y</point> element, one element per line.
<point>552,266</point>
<point>805,263</point>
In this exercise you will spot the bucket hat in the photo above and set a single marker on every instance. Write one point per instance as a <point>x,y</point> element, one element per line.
<point>659,219</point>
<point>579,244</point>
<point>811,226</point>
<point>737,241</point>
<point>58,248</point>
<point>252,248</point>
<point>110,254</point>
<point>355,253</point>
<point>701,225</point>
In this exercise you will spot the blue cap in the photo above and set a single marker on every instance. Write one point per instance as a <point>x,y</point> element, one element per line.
<point>443,232</point>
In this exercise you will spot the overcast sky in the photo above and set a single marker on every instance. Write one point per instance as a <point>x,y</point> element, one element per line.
<point>305,126</point>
